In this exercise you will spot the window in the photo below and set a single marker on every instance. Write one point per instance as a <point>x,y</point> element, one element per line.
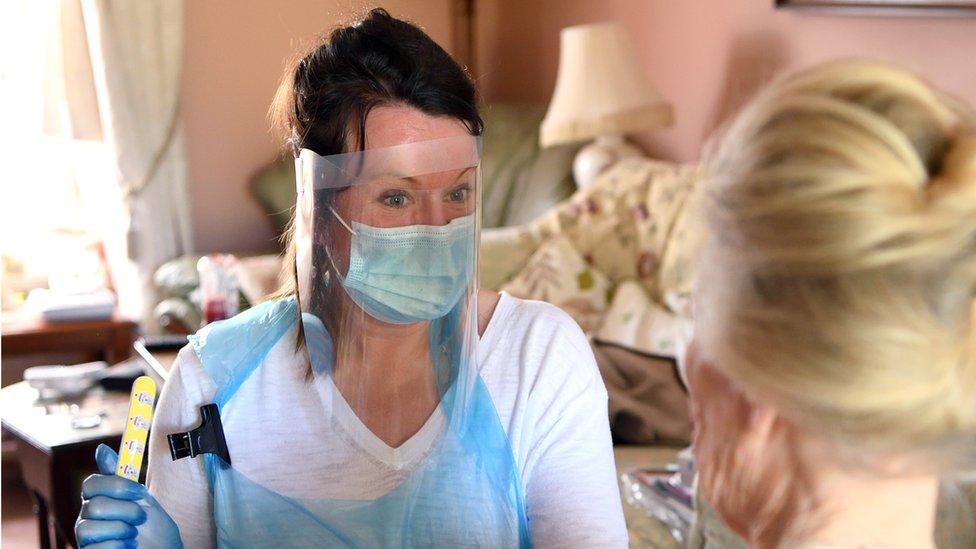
<point>52,184</point>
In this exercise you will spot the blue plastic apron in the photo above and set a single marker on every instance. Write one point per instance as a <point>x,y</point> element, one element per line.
<point>466,493</point>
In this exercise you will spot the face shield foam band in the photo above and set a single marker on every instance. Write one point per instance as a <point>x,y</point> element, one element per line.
<point>315,172</point>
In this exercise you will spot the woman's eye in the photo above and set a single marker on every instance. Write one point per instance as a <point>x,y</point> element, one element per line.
<point>459,195</point>
<point>395,200</point>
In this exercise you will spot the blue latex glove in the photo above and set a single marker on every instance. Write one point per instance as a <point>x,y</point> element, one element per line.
<point>117,512</point>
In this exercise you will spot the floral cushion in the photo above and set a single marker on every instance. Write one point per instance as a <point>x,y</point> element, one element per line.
<point>634,223</point>
<point>557,273</point>
<point>635,322</point>
<point>637,228</point>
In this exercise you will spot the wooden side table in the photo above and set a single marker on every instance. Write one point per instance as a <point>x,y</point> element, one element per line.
<point>112,337</point>
<point>55,455</point>
<point>109,340</point>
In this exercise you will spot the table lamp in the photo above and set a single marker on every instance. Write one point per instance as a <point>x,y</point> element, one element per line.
<point>601,93</point>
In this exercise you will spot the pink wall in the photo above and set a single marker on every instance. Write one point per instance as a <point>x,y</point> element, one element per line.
<point>707,56</point>
<point>234,57</point>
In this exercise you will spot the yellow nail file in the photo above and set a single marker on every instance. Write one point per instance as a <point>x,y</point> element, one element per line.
<point>136,428</point>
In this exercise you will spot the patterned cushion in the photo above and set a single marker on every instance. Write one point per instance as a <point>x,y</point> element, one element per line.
<point>635,322</point>
<point>634,223</point>
<point>556,273</point>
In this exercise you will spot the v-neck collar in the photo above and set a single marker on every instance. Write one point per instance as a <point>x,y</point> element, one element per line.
<point>348,423</point>
<point>420,443</point>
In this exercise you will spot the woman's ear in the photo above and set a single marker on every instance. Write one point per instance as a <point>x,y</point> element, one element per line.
<point>765,428</point>
<point>705,381</point>
<point>688,363</point>
<point>745,455</point>
<point>754,423</point>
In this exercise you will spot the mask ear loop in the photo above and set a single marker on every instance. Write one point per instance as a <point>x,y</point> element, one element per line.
<point>328,252</point>
<point>341,220</point>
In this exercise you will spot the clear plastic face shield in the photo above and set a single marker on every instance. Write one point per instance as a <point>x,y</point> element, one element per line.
<point>394,229</point>
<point>386,256</point>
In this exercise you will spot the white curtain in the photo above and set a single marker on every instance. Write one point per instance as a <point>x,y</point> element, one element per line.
<point>136,55</point>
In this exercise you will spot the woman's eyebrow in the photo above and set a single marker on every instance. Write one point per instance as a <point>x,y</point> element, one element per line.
<point>414,180</point>
<point>460,175</point>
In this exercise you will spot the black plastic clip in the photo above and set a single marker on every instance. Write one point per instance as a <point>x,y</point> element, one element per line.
<point>208,438</point>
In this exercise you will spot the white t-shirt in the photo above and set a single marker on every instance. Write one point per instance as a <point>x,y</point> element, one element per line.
<point>542,378</point>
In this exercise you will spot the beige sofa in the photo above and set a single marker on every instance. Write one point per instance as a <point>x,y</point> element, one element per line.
<point>616,256</point>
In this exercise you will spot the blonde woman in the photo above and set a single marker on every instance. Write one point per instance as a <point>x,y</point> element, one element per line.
<point>833,375</point>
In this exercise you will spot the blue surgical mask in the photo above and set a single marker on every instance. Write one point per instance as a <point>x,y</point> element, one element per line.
<point>403,275</point>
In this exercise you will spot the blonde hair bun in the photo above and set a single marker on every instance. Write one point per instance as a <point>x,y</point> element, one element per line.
<point>838,277</point>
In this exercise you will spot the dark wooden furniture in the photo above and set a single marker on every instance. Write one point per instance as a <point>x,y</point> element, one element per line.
<point>109,340</point>
<point>55,456</point>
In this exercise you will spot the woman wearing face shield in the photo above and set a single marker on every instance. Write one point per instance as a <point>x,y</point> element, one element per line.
<point>380,399</point>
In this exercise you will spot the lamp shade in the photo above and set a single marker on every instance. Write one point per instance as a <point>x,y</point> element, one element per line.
<point>600,88</point>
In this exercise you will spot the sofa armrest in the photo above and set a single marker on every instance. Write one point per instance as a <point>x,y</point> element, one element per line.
<point>177,315</point>
<point>503,253</point>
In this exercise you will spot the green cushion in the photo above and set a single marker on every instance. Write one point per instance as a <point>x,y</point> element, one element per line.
<point>520,181</point>
<point>274,188</point>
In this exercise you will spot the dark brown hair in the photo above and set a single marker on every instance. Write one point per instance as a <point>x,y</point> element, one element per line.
<point>327,93</point>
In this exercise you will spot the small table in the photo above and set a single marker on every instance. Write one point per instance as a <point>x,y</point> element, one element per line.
<point>108,339</point>
<point>54,456</point>
<point>111,337</point>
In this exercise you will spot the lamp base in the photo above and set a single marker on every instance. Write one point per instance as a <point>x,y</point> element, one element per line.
<point>595,158</point>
